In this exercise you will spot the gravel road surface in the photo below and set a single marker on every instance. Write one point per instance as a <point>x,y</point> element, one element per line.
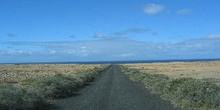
<point>114,91</point>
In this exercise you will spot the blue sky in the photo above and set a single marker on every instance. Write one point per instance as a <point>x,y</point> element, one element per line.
<point>96,30</point>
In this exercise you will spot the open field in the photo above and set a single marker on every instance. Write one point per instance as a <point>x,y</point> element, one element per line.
<point>18,73</point>
<point>196,70</point>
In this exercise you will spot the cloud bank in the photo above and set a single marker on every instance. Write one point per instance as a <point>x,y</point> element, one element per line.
<point>107,50</point>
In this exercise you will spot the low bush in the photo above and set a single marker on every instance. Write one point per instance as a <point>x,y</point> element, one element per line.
<point>18,98</point>
<point>185,92</point>
<point>51,87</point>
<point>59,85</point>
<point>156,82</point>
<point>85,77</point>
<point>193,93</point>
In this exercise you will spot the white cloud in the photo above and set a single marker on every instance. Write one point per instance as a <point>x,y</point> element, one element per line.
<point>85,55</point>
<point>103,36</point>
<point>152,9</point>
<point>71,51</point>
<point>131,31</point>
<point>127,55</point>
<point>52,52</point>
<point>83,47</point>
<point>120,35</point>
<point>184,11</point>
<point>214,36</point>
<point>16,52</point>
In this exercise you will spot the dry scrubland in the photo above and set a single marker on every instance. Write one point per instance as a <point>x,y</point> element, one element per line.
<point>191,85</point>
<point>30,87</point>
<point>197,70</point>
<point>18,73</point>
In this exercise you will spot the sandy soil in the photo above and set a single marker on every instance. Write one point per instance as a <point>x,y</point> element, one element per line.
<point>17,73</point>
<point>182,69</point>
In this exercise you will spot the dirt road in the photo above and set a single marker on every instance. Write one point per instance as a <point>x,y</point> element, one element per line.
<point>114,91</point>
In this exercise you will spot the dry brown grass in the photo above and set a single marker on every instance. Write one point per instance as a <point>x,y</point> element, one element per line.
<point>196,70</point>
<point>17,73</point>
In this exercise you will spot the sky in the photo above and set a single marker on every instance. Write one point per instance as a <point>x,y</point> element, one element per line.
<point>108,30</point>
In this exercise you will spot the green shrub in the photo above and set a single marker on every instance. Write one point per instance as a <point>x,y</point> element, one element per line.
<point>193,93</point>
<point>156,82</point>
<point>185,92</point>
<point>138,77</point>
<point>85,77</point>
<point>135,74</point>
<point>54,86</point>
<point>60,85</point>
<point>18,98</point>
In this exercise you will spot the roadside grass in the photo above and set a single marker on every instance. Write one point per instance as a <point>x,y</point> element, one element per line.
<point>34,93</point>
<point>18,98</point>
<point>52,86</point>
<point>187,93</point>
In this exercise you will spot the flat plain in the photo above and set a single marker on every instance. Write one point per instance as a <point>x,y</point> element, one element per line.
<point>17,73</point>
<point>198,70</point>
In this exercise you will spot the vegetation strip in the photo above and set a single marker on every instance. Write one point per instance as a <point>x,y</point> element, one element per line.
<point>34,93</point>
<point>188,93</point>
